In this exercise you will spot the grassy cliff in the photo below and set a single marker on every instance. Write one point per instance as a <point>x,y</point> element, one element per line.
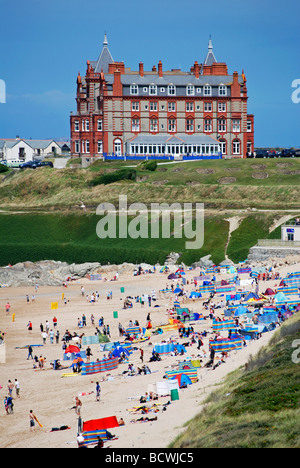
<point>258,406</point>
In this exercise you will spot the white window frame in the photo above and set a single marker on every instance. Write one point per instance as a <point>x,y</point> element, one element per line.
<point>222,125</point>
<point>135,125</point>
<point>207,106</point>
<point>152,90</point>
<point>190,90</point>
<point>236,125</point>
<point>189,107</point>
<point>87,125</point>
<point>190,125</point>
<point>207,125</point>
<point>171,90</point>
<point>87,146</point>
<point>172,106</point>
<point>153,106</point>
<point>172,125</point>
<point>222,91</point>
<point>77,146</point>
<point>153,125</point>
<point>76,126</point>
<point>236,147</point>
<point>223,146</point>
<point>249,126</point>
<point>207,90</point>
<point>134,89</point>
<point>100,146</point>
<point>221,106</point>
<point>135,106</point>
<point>99,125</point>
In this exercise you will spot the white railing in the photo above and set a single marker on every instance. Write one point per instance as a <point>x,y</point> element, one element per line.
<point>278,243</point>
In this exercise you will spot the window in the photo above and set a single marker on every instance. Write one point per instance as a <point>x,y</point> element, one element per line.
<point>236,125</point>
<point>222,107</point>
<point>190,90</point>
<point>207,106</point>
<point>100,146</point>
<point>153,90</point>
<point>135,125</point>
<point>249,147</point>
<point>99,125</point>
<point>222,90</point>
<point>135,106</point>
<point>134,89</point>
<point>198,90</point>
<point>118,147</point>
<point>207,125</point>
<point>153,106</point>
<point>82,125</point>
<point>76,126</point>
<point>87,125</point>
<point>222,125</point>
<point>236,147</point>
<point>190,125</point>
<point>172,125</point>
<point>249,126</point>
<point>153,125</point>
<point>87,146</point>
<point>223,146</point>
<point>207,90</point>
<point>189,107</point>
<point>171,90</point>
<point>172,106</point>
<point>77,146</point>
<point>162,90</point>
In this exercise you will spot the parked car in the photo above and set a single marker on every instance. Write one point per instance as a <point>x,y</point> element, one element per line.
<point>28,165</point>
<point>45,164</point>
<point>290,153</point>
<point>262,154</point>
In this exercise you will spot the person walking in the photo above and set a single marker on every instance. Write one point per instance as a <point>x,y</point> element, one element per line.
<point>98,391</point>
<point>17,387</point>
<point>30,350</point>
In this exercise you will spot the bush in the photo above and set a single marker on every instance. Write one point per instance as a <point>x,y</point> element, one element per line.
<point>122,174</point>
<point>3,168</point>
<point>148,165</point>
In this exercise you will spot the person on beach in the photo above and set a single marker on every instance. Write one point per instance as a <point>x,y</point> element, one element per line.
<point>17,387</point>
<point>98,391</point>
<point>78,406</point>
<point>30,350</point>
<point>32,420</point>
<point>7,308</point>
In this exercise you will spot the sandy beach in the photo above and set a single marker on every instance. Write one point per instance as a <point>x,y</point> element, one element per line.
<point>52,397</point>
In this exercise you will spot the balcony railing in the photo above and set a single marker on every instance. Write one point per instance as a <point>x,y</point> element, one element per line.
<point>278,243</point>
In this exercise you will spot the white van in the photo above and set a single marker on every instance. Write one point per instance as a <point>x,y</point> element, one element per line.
<point>14,163</point>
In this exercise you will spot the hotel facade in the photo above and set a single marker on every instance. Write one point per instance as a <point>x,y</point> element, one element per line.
<point>160,112</point>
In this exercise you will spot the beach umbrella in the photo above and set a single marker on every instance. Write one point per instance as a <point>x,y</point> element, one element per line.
<point>72,349</point>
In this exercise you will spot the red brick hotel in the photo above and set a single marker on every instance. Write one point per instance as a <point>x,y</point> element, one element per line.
<point>160,112</point>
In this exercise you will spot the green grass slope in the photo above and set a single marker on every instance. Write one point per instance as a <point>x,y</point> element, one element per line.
<point>257,407</point>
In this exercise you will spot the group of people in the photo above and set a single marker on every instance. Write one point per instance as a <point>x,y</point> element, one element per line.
<point>8,400</point>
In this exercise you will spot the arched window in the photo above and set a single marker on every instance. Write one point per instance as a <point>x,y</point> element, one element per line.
<point>223,146</point>
<point>118,147</point>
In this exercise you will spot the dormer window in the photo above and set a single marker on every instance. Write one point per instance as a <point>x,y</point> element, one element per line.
<point>153,90</point>
<point>134,89</point>
<point>190,90</point>
<point>222,90</point>
<point>171,90</point>
<point>207,90</point>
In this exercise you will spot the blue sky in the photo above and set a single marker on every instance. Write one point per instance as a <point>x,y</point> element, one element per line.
<point>45,43</point>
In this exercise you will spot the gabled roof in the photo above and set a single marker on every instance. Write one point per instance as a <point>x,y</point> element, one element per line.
<point>104,59</point>
<point>210,57</point>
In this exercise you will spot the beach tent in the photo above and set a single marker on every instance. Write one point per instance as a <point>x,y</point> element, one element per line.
<point>195,294</point>
<point>117,352</point>
<point>280,297</point>
<point>241,310</point>
<point>72,349</point>
<point>172,276</point>
<point>165,387</point>
<point>177,291</point>
<point>251,296</point>
<point>269,292</point>
<point>183,380</point>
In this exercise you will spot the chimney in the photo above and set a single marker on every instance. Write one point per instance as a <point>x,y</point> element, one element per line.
<point>235,87</point>
<point>197,69</point>
<point>160,70</point>
<point>141,69</point>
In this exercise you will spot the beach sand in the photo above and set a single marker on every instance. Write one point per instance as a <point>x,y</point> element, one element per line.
<point>52,397</point>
